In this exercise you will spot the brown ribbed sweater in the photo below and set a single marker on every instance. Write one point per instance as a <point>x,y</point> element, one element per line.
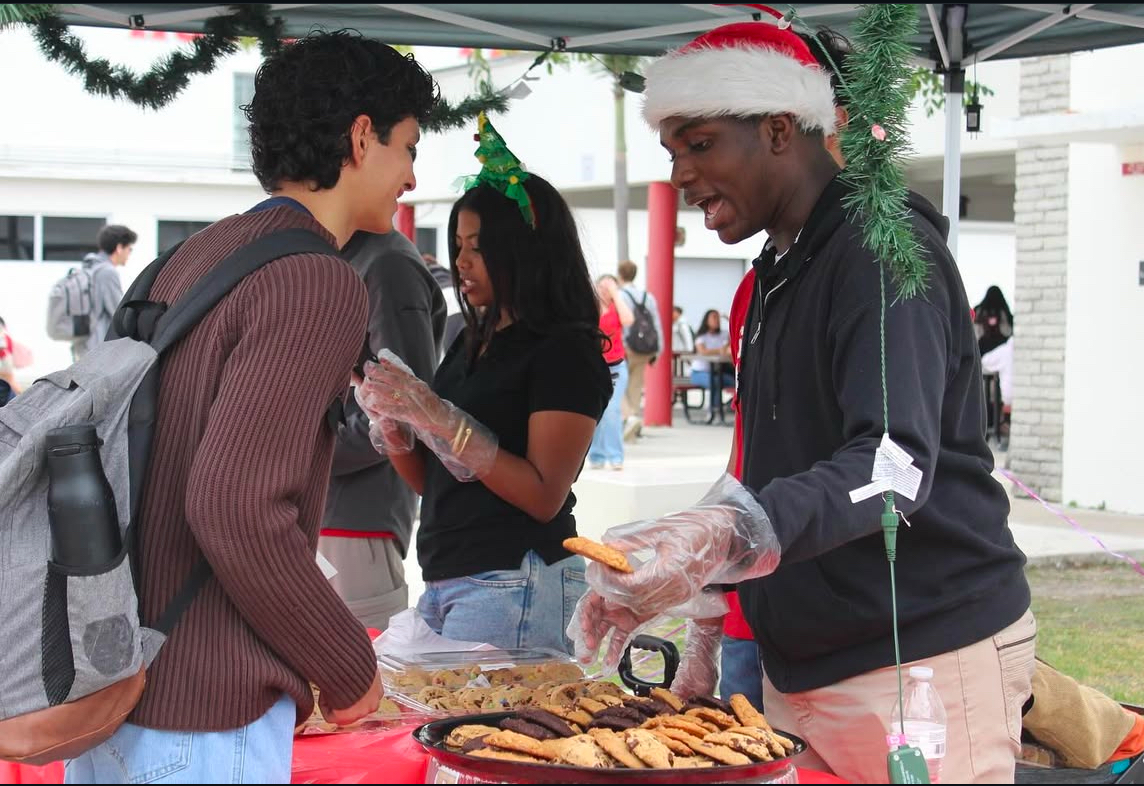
<point>238,472</point>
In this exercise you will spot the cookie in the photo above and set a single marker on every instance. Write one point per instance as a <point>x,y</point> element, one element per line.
<point>582,751</point>
<point>692,762</point>
<point>616,747</point>
<point>614,723</point>
<point>560,672</point>
<point>621,712</point>
<point>475,744</point>
<point>462,734</point>
<point>746,712</point>
<point>499,753</point>
<point>533,730</point>
<point>569,714</point>
<point>451,678</point>
<point>548,720</point>
<point>768,738</point>
<point>717,717</point>
<point>509,740</point>
<point>720,753</point>
<point>564,695</point>
<point>648,749</point>
<point>675,746</point>
<point>599,688</point>
<point>668,698</point>
<point>748,746</point>
<point>589,705</point>
<point>598,552</point>
<point>387,706</point>
<point>711,702</point>
<point>680,722</point>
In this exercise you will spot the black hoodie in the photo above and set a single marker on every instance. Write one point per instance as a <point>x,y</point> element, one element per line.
<point>811,392</point>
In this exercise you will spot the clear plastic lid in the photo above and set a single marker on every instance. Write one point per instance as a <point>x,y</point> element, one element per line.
<point>484,658</point>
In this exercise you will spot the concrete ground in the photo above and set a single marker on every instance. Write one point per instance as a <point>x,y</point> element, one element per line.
<point>668,469</point>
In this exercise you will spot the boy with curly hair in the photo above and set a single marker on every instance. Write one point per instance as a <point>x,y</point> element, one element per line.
<point>242,448</point>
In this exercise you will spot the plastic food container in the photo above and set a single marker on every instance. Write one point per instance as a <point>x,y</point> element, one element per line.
<point>451,683</point>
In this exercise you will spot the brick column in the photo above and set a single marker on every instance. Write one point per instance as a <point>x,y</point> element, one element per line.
<point>1041,211</point>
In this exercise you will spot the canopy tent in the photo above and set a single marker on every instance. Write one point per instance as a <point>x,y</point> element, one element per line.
<point>991,30</point>
<point>949,38</point>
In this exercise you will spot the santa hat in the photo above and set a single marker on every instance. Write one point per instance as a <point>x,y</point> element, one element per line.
<point>744,69</point>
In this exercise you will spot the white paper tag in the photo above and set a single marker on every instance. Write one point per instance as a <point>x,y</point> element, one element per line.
<point>328,569</point>
<point>867,491</point>
<point>893,470</point>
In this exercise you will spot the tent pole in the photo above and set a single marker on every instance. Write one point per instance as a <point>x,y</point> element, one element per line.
<point>951,179</point>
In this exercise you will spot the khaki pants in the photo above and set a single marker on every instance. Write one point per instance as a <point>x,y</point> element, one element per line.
<point>983,687</point>
<point>632,402</point>
<point>370,577</point>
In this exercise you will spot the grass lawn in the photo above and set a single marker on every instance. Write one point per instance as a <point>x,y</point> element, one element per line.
<point>1090,626</point>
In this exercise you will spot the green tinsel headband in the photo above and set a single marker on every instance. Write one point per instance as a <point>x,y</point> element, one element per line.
<point>500,168</point>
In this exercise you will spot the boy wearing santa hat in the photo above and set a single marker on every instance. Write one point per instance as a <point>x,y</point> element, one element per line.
<point>742,112</point>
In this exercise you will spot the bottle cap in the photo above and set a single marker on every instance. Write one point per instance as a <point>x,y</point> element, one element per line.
<point>79,435</point>
<point>921,672</point>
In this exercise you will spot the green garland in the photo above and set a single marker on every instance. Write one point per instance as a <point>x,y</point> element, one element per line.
<point>875,143</point>
<point>221,37</point>
<point>166,79</point>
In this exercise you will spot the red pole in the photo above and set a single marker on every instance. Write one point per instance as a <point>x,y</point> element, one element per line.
<point>662,207</point>
<point>404,223</point>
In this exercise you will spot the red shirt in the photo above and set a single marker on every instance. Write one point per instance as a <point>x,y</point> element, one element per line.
<point>735,624</point>
<point>610,326</point>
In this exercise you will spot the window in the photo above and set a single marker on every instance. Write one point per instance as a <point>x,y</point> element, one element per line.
<point>69,239</point>
<point>172,232</point>
<point>243,94</point>
<point>17,237</point>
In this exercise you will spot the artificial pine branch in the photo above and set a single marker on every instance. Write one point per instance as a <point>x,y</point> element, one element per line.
<point>877,86</point>
<point>446,116</point>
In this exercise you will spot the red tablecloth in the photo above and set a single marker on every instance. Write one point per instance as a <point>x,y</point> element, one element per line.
<point>389,756</point>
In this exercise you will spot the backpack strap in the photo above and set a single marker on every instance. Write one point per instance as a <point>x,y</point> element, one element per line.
<point>164,327</point>
<point>136,316</point>
<point>226,275</point>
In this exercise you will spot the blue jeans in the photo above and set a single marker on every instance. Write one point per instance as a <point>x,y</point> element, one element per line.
<point>527,607</point>
<point>608,439</point>
<point>714,384</point>
<point>742,671</point>
<point>259,752</point>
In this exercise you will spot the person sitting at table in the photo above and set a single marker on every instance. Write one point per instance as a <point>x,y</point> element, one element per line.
<point>504,430</point>
<point>712,340</point>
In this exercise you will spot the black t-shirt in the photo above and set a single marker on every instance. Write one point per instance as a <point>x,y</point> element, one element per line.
<point>465,528</point>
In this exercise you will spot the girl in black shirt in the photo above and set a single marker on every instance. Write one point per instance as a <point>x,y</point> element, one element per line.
<point>527,373</point>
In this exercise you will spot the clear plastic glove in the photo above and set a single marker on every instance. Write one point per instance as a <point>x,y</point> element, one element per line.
<point>699,665</point>
<point>390,391</point>
<point>598,623</point>
<point>390,436</point>
<point>724,539</point>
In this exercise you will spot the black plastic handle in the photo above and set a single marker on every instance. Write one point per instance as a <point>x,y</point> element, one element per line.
<point>665,648</point>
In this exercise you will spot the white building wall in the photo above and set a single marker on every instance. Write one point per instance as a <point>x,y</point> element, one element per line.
<point>1104,375</point>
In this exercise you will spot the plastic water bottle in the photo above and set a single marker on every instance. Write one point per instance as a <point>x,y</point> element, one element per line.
<point>925,719</point>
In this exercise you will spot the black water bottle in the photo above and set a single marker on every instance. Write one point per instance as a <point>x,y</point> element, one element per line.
<point>81,503</point>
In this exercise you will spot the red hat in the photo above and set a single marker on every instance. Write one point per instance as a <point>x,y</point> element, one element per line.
<point>743,69</point>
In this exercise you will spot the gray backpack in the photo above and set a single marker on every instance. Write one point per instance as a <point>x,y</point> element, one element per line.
<point>74,652</point>
<point>69,306</point>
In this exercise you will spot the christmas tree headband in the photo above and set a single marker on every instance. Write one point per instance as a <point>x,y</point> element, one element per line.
<point>500,168</point>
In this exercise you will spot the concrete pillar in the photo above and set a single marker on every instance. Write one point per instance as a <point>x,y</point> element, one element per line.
<point>662,209</point>
<point>1041,214</point>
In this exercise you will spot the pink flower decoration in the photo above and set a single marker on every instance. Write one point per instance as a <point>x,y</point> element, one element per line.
<point>878,132</point>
